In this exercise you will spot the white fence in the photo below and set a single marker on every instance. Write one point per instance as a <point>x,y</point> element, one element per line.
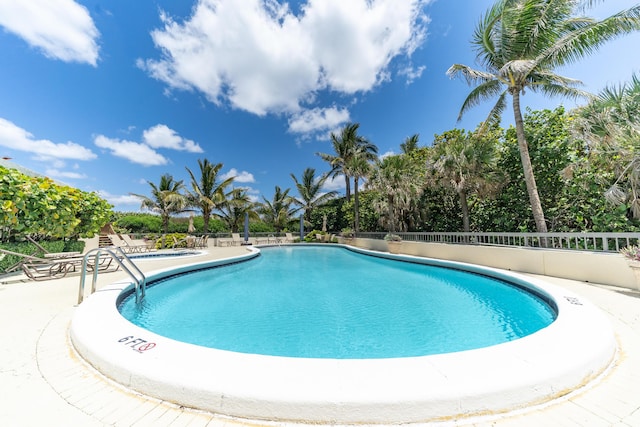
<point>597,242</point>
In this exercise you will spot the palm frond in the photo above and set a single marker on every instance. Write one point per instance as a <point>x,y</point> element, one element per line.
<point>481,93</point>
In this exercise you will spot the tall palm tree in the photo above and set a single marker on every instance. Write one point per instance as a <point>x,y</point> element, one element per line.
<point>166,199</point>
<point>278,211</point>
<point>520,43</point>
<point>410,144</point>
<point>345,145</point>
<point>207,191</point>
<point>234,209</point>
<point>464,161</point>
<point>310,190</point>
<point>358,167</point>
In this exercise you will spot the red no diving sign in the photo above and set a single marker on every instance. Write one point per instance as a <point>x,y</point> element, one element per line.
<point>137,344</point>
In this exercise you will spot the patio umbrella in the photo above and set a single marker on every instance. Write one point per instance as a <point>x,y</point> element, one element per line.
<point>191,228</point>
<point>246,227</point>
<point>324,223</point>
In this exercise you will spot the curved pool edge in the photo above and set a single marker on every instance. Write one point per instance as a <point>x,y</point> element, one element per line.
<point>548,364</point>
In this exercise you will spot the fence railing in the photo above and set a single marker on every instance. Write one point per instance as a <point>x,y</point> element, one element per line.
<point>597,242</point>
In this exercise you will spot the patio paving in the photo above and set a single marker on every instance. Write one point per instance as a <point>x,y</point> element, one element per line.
<point>43,382</point>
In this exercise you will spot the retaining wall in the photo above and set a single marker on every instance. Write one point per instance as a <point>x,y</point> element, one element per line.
<point>604,268</point>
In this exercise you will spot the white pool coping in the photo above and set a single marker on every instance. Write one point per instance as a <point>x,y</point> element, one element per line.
<point>548,364</point>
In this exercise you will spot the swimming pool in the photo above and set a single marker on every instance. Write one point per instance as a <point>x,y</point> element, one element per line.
<point>549,363</point>
<point>330,302</point>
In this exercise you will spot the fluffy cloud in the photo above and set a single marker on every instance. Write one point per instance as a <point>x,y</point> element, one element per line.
<point>244,176</point>
<point>335,183</point>
<point>161,136</point>
<point>16,138</point>
<point>262,58</point>
<point>62,29</point>
<point>318,120</point>
<point>144,153</point>
<point>55,173</point>
<point>120,200</point>
<point>133,151</point>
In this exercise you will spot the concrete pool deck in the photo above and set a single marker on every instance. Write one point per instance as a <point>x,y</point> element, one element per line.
<point>43,381</point>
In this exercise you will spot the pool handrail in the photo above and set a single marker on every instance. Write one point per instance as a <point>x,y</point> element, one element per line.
<point>140,282</point>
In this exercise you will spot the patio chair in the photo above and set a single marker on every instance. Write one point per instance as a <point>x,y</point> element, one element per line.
<point>236,239</point>
<point>120,243</point>
<point>288,238</point>
<point>37,268</point>
<point>140,244</point>
<point>202,242</point>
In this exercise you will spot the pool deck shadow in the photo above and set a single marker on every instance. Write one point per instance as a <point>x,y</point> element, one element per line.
<point>43,382</point>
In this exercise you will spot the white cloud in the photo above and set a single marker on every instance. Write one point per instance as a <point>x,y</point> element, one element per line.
<point>386,154</point>
<point>336,183</point>
<point>133,151</point>
<point>318,120</point>
<point>243,176</point>
<point>63,29</point>
<point>120,200</point>
<point>16,138</point>
<point>161,136</point>
<point>262,58</point>
<point>412,73</point>
<point>55,173</point>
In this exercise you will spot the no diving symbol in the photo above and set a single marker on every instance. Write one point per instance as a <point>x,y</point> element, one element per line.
<point>147,346</point>
<point>137,344</point>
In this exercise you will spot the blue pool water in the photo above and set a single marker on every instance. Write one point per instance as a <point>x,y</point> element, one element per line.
<point>330,302</point>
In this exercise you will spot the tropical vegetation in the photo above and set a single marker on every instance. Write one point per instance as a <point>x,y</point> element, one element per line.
<point>520,44</point>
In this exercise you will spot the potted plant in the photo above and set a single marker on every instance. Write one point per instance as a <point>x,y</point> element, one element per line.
<point>394,243</point>
<point>632,254</point>
<point>348,234</point>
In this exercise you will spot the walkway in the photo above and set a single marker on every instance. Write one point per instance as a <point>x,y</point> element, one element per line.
<point>44,383</point>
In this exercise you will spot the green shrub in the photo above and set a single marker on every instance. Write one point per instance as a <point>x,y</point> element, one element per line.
<point>169,242</point>
<point>311,236</point>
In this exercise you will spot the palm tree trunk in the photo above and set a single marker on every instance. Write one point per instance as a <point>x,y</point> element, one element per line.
<point>464,207</point>
<point>356,205</point>
<point>347,182</point>
<point>529,178</point>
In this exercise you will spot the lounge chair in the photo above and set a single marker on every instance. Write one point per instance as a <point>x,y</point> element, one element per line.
<point>120,243</point>
<point>224,241</point>
<point>288,238</point>
<point>140,244</point>
<point>37,268</point>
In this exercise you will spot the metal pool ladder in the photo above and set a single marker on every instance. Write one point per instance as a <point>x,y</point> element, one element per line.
<point>117,255</point>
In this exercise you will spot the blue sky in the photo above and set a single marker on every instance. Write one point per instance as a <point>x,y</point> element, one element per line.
<point>108,95</point>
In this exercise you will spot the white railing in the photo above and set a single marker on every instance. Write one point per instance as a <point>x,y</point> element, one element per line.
<point>597,242</point>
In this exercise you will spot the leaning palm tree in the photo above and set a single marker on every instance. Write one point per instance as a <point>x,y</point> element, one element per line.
<point>311,193</point>
<point>465,161</point>
<point>520,43</point>
<point>207,192</point>
<point>166,199</point>
<point>345,145</point>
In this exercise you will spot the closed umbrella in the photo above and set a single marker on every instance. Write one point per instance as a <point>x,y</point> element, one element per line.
<point>191,227</point>
<point>246,227</point>
<point>301,228</point>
